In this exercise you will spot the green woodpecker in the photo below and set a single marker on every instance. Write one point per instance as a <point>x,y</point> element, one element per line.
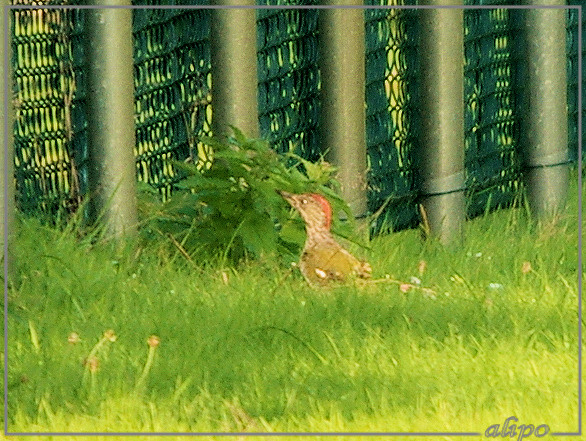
<point>323,260</point>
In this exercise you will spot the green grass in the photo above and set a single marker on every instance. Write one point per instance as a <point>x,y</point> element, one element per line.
<point>255,349</point>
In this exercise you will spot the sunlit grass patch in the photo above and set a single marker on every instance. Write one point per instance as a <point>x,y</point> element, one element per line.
<point>109,338</point>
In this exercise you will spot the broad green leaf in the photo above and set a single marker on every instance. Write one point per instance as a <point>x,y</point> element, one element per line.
<point>258,234</point>
<point>293,232</point>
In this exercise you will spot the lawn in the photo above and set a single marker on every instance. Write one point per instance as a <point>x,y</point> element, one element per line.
<point>132,338</point>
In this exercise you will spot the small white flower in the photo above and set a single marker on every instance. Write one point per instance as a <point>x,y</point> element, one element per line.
<point>495,286</point>
<point>415,280</point>
<point>73,338</point>
<point>429,295</point>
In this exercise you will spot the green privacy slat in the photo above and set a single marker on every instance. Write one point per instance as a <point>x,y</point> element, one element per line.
<point>41,54</point>
<point>390,69</point>
<point>288,89</point>
<point>172,86</point>
<point>572,48</point>
<point>492,160</point>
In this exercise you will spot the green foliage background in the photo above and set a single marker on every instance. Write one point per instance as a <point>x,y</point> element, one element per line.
<point>232,209</point>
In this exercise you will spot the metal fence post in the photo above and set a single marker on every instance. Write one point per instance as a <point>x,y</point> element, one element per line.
<point>543,106</point>
<point>110,104</point>
<point>234,68</point>
<point>342,118</point>
<point>440,151</point>
<point>7,118</point>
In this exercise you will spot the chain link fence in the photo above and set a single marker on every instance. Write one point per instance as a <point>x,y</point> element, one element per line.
<point>173,89</point>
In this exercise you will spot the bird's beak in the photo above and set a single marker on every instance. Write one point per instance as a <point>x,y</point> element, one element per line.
<point>289,197</point>
<point>285,194</point>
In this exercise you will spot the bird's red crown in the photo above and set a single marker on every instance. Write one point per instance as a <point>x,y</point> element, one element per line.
<point>326,207</point>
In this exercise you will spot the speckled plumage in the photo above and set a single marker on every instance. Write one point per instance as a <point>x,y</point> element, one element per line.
<point>323,260</point>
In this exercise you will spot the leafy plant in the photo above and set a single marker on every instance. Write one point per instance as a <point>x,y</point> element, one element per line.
<point>232,208</point>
